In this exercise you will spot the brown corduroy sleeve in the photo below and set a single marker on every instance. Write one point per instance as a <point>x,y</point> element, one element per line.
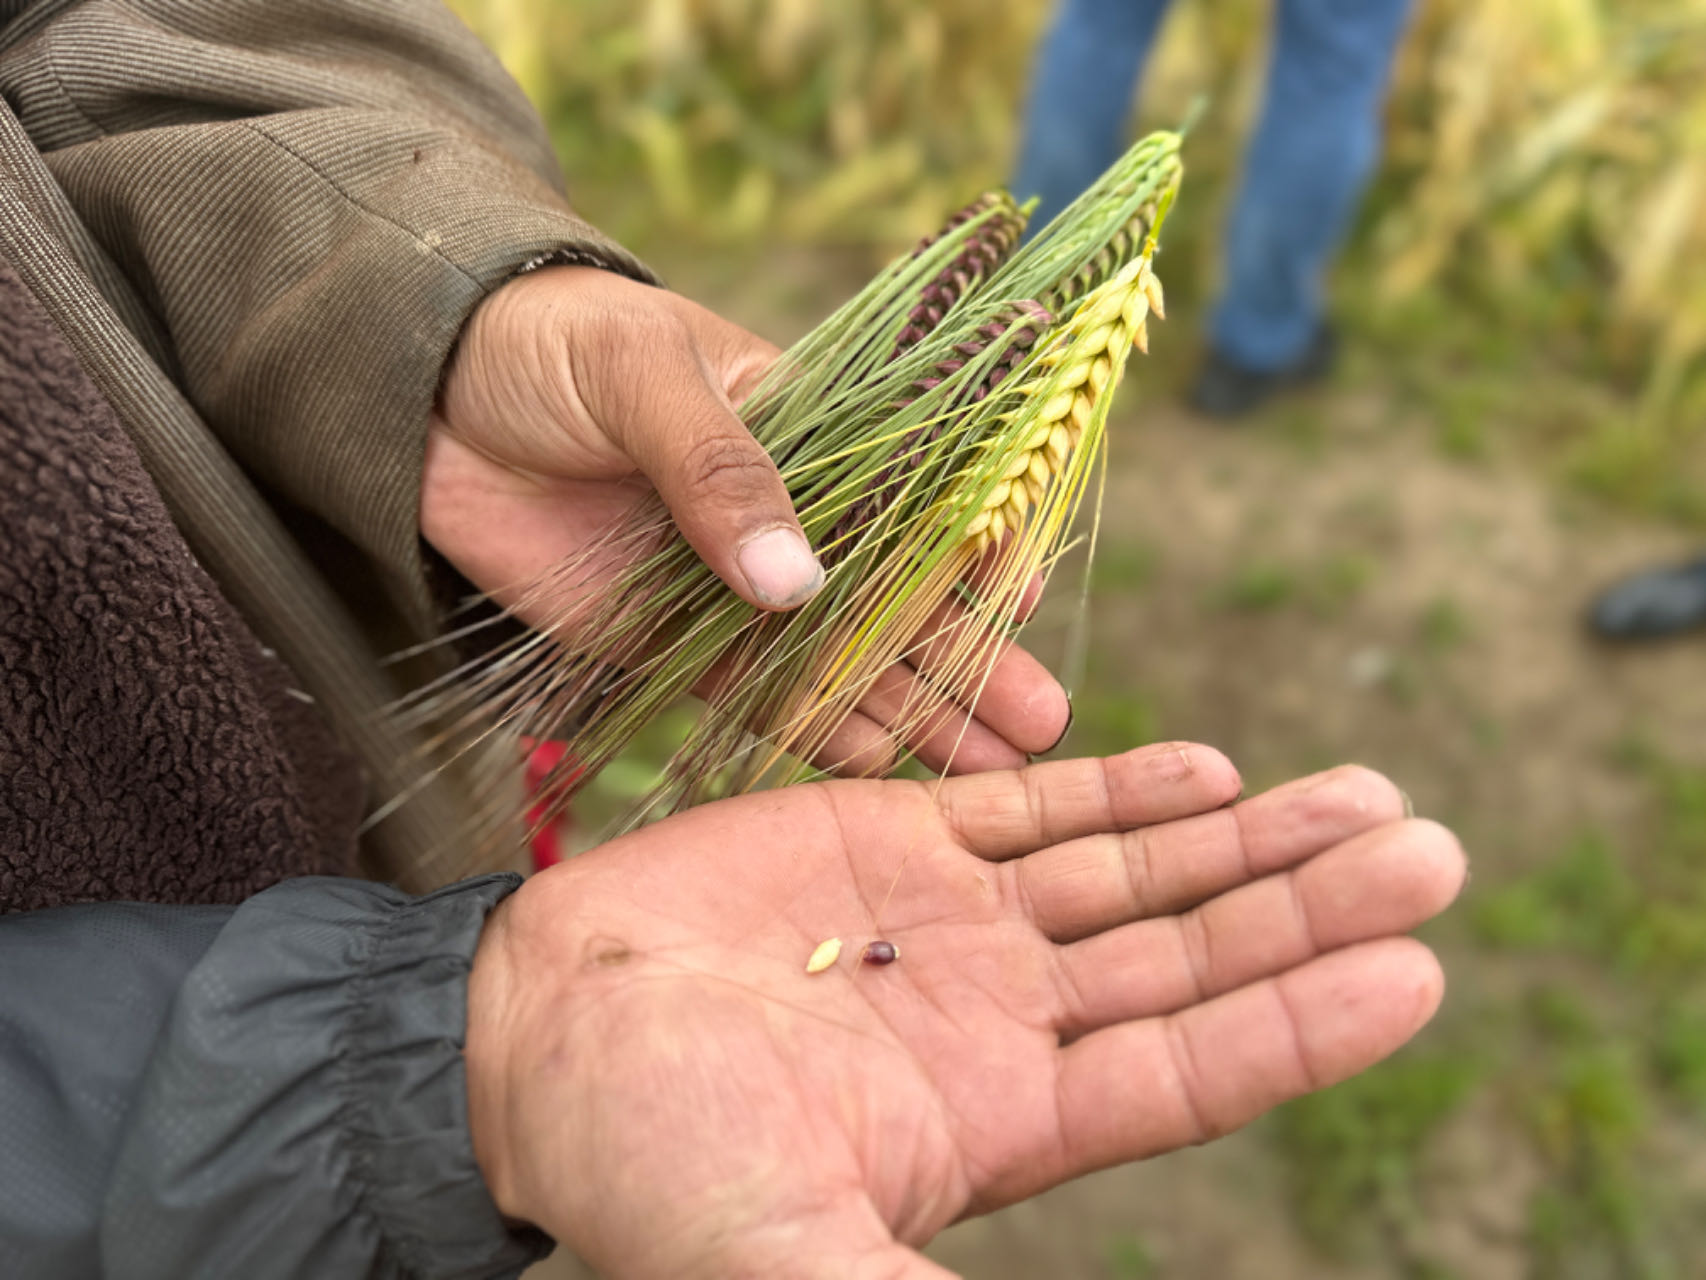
<point>312,196</point>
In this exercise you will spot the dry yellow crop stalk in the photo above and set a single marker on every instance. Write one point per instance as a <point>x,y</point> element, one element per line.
<point>1078,371</point>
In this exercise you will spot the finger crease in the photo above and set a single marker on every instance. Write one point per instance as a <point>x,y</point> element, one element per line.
<point>1075,1016</point>
<point>1182,1059</point>
<point>1236,813</point>
<point>1036,800</point>
<point>1136,852</point>
<point>1106,793</point>
<point>1305,1069</point>
<point>1300,909</point>
<point>1024,899</point>
<point>1199,956</point>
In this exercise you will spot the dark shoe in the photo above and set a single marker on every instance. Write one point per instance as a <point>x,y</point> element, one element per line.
<point>1662,602</point>
<point>1227,390</point>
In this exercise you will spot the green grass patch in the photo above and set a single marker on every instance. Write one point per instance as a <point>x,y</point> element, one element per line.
<point>1607,1061</point>
<point>1584,901</point>
<point>1258,587</point>
<point>1443,626</point>
<point>1658,473</point>
<point>1303,428</point>
<point>1326,588</point>
<point>1589,1115</point>
<point>1128,1258</point>
<point>1482,391</point>
<point>1112,720</point>
<point>1123,568</point>
<point>1679,1053</point>
<point>1339,581</point>
<point>1351,1150</point>
<point>1465,410</point>
<point>1560,1017</point>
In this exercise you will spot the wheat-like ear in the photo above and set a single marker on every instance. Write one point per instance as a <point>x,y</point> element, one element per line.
<point>947,417</point>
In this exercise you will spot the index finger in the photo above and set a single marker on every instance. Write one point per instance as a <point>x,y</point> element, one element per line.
<point>1009,813</point>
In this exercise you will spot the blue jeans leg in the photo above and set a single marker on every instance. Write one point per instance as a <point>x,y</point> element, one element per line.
<point>1081,93</point>
<point>1304,172</point>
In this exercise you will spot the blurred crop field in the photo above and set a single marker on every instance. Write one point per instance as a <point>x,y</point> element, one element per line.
<point>1391,569</point>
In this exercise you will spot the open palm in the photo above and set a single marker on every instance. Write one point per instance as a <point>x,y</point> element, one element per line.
<point>1099,961</point>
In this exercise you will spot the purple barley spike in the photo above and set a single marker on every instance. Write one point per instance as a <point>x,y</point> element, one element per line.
<point>1018,345</point>
<point>985,250</point>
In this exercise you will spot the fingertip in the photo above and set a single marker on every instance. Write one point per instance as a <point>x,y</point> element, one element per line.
<point>1066,724</point>
<point>1439,848</point>
<point>1203,767</point>
<point>1400,978</point>
<point>1413,867</point>
<point>1352,1008</point>
<point>1045,719</point>
<point>1412,977</point>
<point>1023,702</point>
<point>779,568</point>
<point>1367,790</point>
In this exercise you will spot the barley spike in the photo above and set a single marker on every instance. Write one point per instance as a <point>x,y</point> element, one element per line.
<point>1074,377</point>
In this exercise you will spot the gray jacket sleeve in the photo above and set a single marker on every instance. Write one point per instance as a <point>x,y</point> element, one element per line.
<point>312,196</point>
<point>270,1091</point>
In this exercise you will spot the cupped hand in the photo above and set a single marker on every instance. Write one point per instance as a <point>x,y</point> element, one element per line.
<point>1099,960</point>
<point>575,392</point>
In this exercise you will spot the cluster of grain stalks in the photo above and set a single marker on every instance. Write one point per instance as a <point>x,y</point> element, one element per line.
<point>1545,156</point>
<point>968,385</point>
<point>859,121</point>
<point>1554,152</point>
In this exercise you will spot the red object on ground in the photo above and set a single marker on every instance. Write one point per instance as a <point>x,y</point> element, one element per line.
<point>549,838</point>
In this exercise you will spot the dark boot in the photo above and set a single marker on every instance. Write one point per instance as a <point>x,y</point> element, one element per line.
<point>1227,390</point>
<point>1660,602</point>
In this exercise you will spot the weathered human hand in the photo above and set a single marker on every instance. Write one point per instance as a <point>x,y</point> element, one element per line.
<point>572,394</point>
<point>1100,960</point>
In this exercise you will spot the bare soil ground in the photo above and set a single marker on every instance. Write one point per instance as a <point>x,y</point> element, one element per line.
<point>1324,584</point>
